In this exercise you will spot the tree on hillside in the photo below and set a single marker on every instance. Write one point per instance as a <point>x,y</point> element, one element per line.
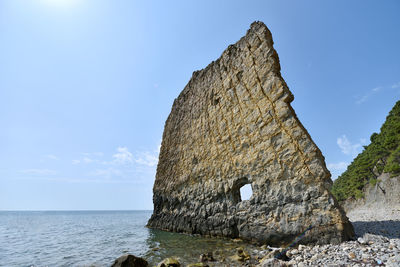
<point>381,155</point>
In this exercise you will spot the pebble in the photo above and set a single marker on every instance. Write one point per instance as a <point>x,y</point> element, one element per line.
<point>365,256</point>
<point>301,247</point>
<point>361,241</point>
<point>315,257</point>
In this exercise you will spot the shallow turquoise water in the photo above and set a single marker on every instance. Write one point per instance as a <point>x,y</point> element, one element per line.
<point>93,238</point>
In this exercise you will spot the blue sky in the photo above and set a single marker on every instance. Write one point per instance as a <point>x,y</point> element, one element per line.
<point>86,86</point>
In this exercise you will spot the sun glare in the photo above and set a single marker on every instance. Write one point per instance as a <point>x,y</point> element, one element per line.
<point>61,3</point>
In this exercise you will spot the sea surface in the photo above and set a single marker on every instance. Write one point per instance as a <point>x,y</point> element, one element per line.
<point>92,238</point>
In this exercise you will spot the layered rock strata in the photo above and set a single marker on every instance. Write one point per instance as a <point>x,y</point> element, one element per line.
<point>233,125</point>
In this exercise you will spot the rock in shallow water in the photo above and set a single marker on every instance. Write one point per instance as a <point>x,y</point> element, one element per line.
<point>169,262</point>
<point>130,261</point>
<point>233,125</point>
<point>206,257</point>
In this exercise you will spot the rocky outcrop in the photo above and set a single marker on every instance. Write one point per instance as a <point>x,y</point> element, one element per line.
<point>380,196</point>
<point>233,125</point>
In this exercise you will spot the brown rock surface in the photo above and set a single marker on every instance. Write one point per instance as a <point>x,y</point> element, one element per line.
<point>130,261</point>
<point>233,125</point>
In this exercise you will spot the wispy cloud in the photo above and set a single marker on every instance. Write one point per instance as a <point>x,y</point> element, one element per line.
<point>107,173</point>
<point>337,168</point>
<point>51,156</point>
<point>127,165</point>
<point>360,99</point>
<point>363,98</point>
<point>88,158</point>
<point>48,157</point>
<point>122,165</point>
<point>349,148</point>
<point>396,85</point>
<point>93,154</point>
<point>85,160</point>
<point>123,156</point>
<point>38,172</point>
<point>148,159</point>
<point>99,180</point>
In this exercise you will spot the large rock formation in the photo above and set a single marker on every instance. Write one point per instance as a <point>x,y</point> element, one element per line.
<point>233,125</point>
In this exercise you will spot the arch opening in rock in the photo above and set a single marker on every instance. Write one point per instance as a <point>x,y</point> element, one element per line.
<point>242,190</point>
<point>246,192</point>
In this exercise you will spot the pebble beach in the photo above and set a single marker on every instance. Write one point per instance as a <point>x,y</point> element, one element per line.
<point>377,243</point>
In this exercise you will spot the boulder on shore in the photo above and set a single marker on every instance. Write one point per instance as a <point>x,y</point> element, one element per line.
<point>130,261</point>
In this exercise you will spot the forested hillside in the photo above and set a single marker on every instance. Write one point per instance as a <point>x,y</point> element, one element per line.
<point>381,155</point>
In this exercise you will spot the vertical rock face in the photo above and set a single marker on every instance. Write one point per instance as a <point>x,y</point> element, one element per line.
<point>233,125</point>
<point>384,195</point>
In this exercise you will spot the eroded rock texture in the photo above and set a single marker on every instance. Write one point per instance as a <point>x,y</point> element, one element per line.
<point>233,125</point>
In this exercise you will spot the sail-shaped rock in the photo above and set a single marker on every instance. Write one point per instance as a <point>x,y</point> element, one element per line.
<point>233,125</point>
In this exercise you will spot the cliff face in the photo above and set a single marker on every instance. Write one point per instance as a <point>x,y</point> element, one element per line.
<point>233,125</point>
<point>382,195</point>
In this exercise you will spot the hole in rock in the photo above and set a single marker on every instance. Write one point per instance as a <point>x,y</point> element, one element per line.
<point>246,192</point>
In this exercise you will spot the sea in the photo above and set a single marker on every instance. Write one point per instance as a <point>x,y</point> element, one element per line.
<point>93,238</point>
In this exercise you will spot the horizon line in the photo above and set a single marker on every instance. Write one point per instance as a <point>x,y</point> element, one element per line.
<point>81,210</point>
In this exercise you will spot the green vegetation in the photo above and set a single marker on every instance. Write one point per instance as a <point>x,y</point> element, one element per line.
<point>381,155</point>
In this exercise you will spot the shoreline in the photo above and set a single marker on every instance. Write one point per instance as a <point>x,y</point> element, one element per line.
<point>377,244</point>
